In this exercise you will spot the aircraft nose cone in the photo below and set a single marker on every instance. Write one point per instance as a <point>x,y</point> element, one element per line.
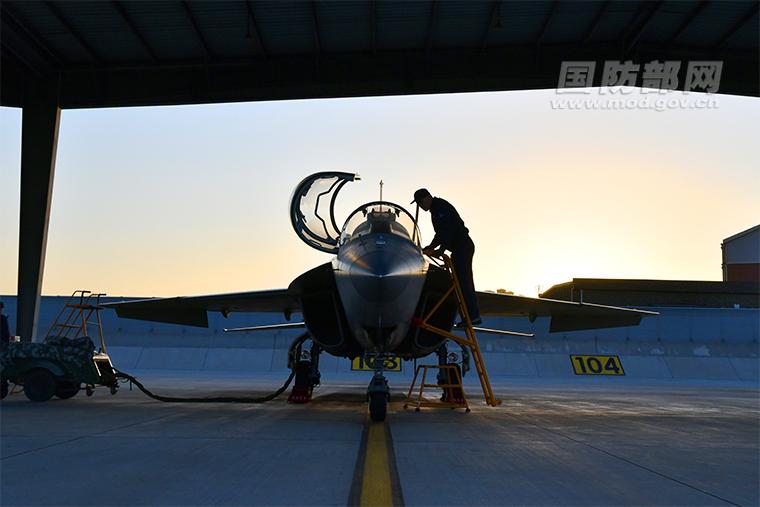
<point>380,276</point>
<point>379,264</point>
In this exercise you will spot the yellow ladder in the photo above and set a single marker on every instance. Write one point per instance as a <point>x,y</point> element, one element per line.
<point>454,381</point>
<point>81,305</point>
<point>471,340</point>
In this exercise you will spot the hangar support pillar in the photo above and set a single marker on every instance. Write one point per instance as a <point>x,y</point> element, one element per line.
<point>40,121</point>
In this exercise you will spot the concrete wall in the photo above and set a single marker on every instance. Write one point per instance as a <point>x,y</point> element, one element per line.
<point>681,343</point>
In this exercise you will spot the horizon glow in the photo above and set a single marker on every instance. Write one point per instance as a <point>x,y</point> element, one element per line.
<point>164,201</point>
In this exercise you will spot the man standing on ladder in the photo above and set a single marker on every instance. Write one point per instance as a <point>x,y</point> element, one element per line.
<point>452,235</point>
<point>5,330</point>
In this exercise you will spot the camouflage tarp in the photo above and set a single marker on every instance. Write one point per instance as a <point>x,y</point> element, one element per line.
<point>77,352</point>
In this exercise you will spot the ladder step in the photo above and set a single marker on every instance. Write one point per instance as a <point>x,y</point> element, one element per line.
<point>441,385</point>
<point>70,325</point>
<point>441,404</point>
<point>81,307</point>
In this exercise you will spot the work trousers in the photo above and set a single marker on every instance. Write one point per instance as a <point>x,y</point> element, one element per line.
<point>461,256</point>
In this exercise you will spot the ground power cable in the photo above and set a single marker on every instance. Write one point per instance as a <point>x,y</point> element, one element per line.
<point>217,399</point>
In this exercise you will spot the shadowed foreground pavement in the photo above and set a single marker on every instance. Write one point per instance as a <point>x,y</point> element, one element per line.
<point>549,444</point>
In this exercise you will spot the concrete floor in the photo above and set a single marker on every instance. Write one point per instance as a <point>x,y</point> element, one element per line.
<point>549,444</point>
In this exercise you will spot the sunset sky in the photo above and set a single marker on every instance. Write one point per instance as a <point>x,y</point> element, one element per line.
<point>165,201</point>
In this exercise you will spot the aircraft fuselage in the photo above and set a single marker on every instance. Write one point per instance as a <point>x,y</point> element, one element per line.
<point>380,278</point>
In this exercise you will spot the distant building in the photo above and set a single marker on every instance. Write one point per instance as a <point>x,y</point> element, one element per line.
<point>741,256</point>
<point>683,293</point>
<point>740,287</point>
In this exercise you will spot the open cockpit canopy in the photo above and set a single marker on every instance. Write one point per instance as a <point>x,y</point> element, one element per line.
<point>383,217</point>
<point>312,209</point>
<point>312,214</point>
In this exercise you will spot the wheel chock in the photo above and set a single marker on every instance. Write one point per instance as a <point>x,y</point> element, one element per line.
<point>300,395</point>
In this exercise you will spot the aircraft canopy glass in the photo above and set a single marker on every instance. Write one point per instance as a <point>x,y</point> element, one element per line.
<point>312,209</point>
<point>380,216</point>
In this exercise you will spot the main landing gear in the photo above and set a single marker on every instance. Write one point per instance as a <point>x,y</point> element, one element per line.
<point>305,363</point>
<point>451,394</point>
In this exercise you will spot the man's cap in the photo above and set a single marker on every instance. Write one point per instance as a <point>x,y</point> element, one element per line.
<point>420,194</point>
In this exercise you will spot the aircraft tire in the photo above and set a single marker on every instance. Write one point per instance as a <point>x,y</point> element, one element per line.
<point>3,388</point>
<point>39,385</point>
<point>378,406</point>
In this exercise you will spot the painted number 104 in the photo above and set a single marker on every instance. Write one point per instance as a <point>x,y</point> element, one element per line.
<point>597,365</point>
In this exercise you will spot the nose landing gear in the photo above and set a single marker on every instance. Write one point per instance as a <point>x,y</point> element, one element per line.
<point>378,392</point>
<point>378,395</point>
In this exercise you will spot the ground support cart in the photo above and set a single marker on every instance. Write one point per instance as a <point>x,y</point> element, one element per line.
<point>65,361</point>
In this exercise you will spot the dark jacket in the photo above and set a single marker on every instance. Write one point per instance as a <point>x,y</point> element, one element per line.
<point>449,226</point>
<point>5,330</point>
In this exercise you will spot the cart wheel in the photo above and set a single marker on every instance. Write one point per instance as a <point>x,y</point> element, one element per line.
<point>66,389</point>
<point>39,384</point>
<point>3,388</point>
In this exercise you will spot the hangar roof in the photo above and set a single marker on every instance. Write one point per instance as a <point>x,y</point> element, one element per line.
<point>751,230</point>
<point>628,292</point>
<point>121,53</point>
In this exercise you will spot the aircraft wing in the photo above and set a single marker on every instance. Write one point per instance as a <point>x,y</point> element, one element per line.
<point>565,315</point>
<point>191,310</point>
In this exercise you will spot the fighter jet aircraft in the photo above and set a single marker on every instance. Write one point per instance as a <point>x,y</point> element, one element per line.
<point>365,301</point>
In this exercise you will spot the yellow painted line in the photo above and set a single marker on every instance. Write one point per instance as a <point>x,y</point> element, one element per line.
<point>376,479</point>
